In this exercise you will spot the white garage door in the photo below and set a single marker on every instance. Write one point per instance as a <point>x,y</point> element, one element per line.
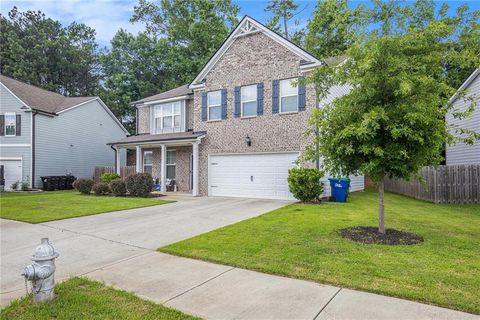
<point>13,171</point>
<point>260,175</point>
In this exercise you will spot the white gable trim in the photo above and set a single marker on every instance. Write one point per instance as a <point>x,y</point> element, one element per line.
<point>464,85</point>
<point>104,107</point>
<point>13,94</point>
<point>249,26</point>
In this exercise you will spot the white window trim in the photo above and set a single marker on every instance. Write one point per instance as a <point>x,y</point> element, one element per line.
<point>215,105</point>
<point>173,128</point>
<point>14,124</point>
<point>143,160</point>
<point>292,95</point>
<point>242,101</point>
<point>171,164</point>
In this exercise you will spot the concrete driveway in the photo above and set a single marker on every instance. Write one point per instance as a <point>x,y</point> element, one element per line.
<point>90,243</point>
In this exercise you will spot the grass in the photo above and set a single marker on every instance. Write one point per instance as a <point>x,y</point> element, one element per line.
<point>303,241</point>
<point>48,206</point>
<point>79,298</point>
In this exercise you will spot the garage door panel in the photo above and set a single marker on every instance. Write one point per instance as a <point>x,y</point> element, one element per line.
<point>231,175</point>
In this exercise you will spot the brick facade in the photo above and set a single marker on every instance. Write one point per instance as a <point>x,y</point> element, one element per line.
<point>143,121</point>
<point>252,59</point>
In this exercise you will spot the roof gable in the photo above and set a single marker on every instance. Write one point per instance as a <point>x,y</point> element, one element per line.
<point>464,85</point>
<point>248,26</point>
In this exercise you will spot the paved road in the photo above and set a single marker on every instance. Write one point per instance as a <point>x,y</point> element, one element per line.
<point>89,243</point>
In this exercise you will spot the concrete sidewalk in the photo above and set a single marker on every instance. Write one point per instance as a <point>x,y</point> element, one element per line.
<point>215,291</point>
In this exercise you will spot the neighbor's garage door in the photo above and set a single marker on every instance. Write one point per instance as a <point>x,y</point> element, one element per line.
<point>13,171</point>
<point>260,175</point>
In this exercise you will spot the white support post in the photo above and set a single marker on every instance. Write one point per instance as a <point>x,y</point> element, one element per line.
<point>138,160</point>
<point>117,159</point>
<point>195,168</point>
<point>163,167</point>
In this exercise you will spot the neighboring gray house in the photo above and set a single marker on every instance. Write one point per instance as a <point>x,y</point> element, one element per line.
<point>238,127</point>
<point>461,153</point>
<point>43,133</point>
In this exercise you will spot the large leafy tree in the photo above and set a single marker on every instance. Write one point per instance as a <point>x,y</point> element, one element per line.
<point>333,27</point>
<point>391,123</point>
<point>42,52</point>
<point>193,29</point>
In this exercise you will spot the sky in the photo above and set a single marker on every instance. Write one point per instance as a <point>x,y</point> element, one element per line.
<point>107,16</point>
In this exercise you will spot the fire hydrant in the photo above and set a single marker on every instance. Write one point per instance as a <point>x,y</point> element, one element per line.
<point>42,272</point>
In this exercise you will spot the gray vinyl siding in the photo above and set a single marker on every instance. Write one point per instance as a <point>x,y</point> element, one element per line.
<point>9,103</point>
<point>461,153</point>
<point>75,142</point>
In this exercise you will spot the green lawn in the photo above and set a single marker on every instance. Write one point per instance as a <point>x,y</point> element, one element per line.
<point>79,298</point>
<point>302,241</point>
<point>48,206</point>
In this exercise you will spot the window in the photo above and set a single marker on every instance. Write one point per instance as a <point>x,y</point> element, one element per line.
<point>249,101</point>
<point>168,117</point>
<point>147,161</point>
<point>214,103</point>
<point>10,124</point>
<point>171,163</point>
<point>288,96</point>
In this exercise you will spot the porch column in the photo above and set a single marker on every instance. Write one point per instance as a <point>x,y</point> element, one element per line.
<point>117,159</point>
<point>195,168</point>
<point>138,160</point>
<point>163,167</point>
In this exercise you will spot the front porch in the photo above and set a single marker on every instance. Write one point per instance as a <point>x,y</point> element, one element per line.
<point>171,159</point>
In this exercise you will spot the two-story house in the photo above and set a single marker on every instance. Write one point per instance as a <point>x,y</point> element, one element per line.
<point>238,127</point>
<point>43,133</point>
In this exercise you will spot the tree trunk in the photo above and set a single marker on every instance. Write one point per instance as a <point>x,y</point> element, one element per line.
<point>381,209</point>
<point>285,22</point>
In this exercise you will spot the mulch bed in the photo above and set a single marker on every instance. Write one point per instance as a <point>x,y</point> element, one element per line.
<point>370,235</point>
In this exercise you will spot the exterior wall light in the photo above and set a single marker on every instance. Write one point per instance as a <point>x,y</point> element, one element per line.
<point>248,141</point>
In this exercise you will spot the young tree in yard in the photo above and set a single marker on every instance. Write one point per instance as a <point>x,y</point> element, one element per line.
<point>391,123</point>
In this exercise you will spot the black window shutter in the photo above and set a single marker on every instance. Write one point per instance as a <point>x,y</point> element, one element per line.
<point>260,99</point>
<point>18,127</point>
<point>275,95</point>
<point>237,102</point>
<point>224,104</point>
<point>301,94</point>
<point>204,106</point>
<point>2,125</point>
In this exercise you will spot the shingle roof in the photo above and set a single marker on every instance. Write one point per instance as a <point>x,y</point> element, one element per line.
<point>160,137</point>
<point>177,92</point>
<point>41,99</point>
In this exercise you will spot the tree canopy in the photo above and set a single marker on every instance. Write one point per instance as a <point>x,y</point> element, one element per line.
<point>40,51</point>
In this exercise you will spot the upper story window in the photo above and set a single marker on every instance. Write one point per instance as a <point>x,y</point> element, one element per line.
<point>214,105</point>
<point>10,124</point>
<point>288,96</point>
<point>168,117</point>
<point>249,101</point>
<point>147,161</point>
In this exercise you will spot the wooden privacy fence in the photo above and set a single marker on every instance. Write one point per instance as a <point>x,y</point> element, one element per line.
<point>444,184</point>
<point>124,172</point>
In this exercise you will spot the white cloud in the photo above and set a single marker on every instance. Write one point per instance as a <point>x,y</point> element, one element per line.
<point>105,16</point>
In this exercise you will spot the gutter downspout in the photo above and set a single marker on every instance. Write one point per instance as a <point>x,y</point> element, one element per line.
<point>116,155</point>
<point>33,148</point>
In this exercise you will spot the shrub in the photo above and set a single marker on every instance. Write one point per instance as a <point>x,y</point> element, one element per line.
<point>305,184</point>
<point>118,187</point>
<point>139,184</point>
<point>83,185</point>
<point>24,186</point>
<point>14,186</point>
<point>101,188</point>
<point>109,176</point>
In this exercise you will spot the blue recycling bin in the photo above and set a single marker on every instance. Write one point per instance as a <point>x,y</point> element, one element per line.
<point>340,189</point>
